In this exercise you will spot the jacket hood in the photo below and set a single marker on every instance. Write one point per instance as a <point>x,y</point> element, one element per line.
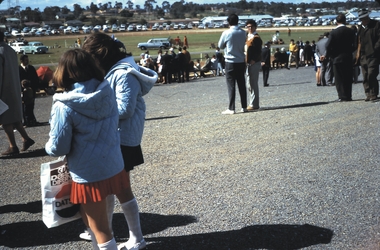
<point>91,98</point>
<point>147,77</point>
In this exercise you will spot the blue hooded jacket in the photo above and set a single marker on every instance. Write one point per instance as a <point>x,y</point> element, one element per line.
<point>83,126</point>
<point>130,83</point>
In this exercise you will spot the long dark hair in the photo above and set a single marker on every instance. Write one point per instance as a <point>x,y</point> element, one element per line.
<point>105,49</point>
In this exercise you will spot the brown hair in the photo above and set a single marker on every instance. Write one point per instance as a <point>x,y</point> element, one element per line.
<point>105,49</point>
<point>76,65</point>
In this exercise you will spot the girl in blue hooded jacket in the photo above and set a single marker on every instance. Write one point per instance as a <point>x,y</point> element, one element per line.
<point>84,127</point>
<point>130,83</point>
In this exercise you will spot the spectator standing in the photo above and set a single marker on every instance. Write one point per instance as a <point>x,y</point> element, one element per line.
<point>182,64</point>
<point>293,53</point>
<point>233,41</point>
<point>28,72</point>
<point>325,65</point>
<point>339,47</point>
<point>188,67</point>
<point>166,61</point>
<point>185,42</point>
<point>313,46</point>
<point>79,43</point>
<point>265,62</point>
<point>308,54</point>
<point>177,41</point>
<point>356,70</point>
<point>253,48</point>
<point>130,83</point>
<point>78,115</point>
<point>277,59</point>
<point>27,99</point>
<point>10,94</point>
<point>369,54</point>
<point>219,58</point>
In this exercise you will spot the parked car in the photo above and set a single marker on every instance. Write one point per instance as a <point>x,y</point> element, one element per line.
<point>122,27</point>
<point>155,43</point>
<point>15,33</point>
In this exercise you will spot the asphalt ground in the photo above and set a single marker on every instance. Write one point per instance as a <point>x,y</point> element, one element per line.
<point>301,173</point>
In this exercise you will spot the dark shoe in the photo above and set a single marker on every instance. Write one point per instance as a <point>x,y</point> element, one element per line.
<point>343,100</point>
<point>374,98</point>
<point>11,151</point>
<point>367,99</point>
<point>26,144</point>
<point>266,85</point>
<point>319,85</point>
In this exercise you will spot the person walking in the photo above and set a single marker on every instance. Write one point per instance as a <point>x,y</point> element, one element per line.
<point>233,42</point>
<point>339,47</point>
<point>28,72</point>
<point>369,54</point>
<point>83,127</point>
<point>265,62</point>
<point>130,83</point>
<point>10,94</point>
<point>253,48</point>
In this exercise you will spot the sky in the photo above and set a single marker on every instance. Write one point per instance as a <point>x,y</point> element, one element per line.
<point>41,4</point>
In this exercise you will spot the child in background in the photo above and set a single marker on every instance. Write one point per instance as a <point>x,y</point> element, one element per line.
<point>27,103</point>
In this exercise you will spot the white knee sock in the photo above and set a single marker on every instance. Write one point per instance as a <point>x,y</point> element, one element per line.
<point>131,213</point>
<point>110,208</point>
<point>109,245</point>
<point>93,239</point>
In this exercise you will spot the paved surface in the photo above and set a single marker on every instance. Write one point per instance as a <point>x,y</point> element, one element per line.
<point>301,173</point>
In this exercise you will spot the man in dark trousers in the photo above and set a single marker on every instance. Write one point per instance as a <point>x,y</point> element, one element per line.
<point>369,54</point>
<point>28,72</point>
<point>339,47</point>
<point>181,64</point>
<point>265,62</point>
<point>166,60</point>
<point>326,64</point>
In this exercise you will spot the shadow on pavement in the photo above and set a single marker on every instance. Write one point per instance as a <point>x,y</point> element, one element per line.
<point>35,233</point>
<point>251,237</point>
<point>29,154</point>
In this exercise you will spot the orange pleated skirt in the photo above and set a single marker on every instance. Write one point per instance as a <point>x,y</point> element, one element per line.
<point>82,193</point>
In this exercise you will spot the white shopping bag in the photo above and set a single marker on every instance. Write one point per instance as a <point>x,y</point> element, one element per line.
<point>56,187</point>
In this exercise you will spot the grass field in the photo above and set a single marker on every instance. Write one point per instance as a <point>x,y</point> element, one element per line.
<point>199,41</point>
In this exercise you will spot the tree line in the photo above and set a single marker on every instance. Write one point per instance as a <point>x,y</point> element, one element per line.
<point>180,9</point>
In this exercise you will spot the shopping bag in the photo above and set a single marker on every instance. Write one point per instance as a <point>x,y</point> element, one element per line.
<point>56,187</point>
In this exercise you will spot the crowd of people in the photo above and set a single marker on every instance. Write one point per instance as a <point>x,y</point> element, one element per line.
<point>177,66</point>
<point>336,58</point>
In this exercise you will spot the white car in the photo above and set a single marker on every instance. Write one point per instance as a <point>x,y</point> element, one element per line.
<point>122,27</point>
